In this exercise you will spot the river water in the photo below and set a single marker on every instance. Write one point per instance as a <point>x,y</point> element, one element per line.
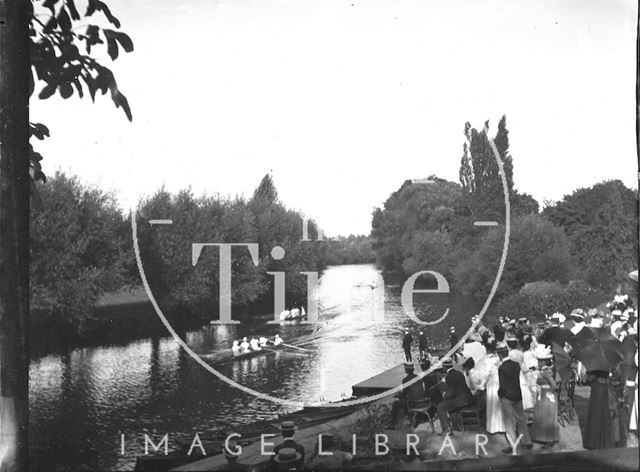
<point>83,400</point>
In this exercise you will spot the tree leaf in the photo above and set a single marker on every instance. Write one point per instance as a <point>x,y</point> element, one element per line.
<point>66,90</point>
<point>47,91</point>
<point>121,101</point>
<point>38,130</point>
<point>72,9</point>
<point>64,21</point>
<point>97,5</point>
<point>124,40</point>
<point>112,44</point>
<point>50,4</point>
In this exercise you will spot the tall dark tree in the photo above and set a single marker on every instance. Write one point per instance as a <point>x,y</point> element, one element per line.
<point>14,233</point>
<point>480,173</point>
<point>600,224</point>
<point>38,42</point>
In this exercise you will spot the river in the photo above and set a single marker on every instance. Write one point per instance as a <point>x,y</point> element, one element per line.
<point>82,400</point>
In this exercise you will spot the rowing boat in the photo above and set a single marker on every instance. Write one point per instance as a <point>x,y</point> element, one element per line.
<point>226,358</point>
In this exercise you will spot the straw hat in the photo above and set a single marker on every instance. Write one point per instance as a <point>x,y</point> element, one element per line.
<point>287,455</point>
<point>559,316</point>
<point>502,347</point>
<point>578,313</point>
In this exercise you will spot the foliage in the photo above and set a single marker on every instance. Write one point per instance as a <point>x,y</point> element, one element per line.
<point>77,250</point>
<point>263,220</point>
<point>601,223</point>
<point>537,299</point>
<point>64,43</point>
<point>482,185</point>
<point>416,216</point>
<point>351,249</point>
<point>538,250</point>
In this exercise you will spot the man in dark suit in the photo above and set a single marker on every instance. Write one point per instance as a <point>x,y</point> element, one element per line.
<point>457,395</point>
<point>410,394</point>
<point>422,345</point>
<point>406,345</point>
<point>288,430</point>
<point>453,337</point>
<point>510,396</point>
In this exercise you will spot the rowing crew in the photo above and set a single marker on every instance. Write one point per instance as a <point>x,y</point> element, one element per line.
<point>253,345</point>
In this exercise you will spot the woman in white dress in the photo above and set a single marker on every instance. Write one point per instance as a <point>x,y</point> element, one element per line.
<point>494,411</point>
<point>528,376</point>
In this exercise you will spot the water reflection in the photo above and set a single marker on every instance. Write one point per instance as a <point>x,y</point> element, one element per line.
<point>81,401</point>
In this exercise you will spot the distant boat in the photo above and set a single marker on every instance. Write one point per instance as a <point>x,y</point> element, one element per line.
<point>371,285</point>
<point>292,316</point>
<point>222,358</point>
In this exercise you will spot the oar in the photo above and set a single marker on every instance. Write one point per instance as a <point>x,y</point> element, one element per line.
<point>296,347</point>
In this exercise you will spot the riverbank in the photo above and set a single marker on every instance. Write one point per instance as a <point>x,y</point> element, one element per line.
<point>421,449</point>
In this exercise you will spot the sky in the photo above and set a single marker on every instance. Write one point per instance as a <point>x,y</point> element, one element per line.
<point>342,101</point>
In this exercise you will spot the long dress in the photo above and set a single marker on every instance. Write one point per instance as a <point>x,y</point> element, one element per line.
<point>494,410</point>
<point>528,379</point>
<point>545,417</point>
<point>599,432</point>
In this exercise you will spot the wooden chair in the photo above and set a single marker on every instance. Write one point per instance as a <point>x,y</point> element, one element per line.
<point>471,418</point>
<point>415,409</point>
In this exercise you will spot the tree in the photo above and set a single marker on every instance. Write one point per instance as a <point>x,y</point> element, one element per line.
<point>538,251</point>
<point>76,235</point>
<point>600,223</point>
<point>14,234</point>
<point>56,60</point>
<point>480,174</point>
<point>413,215</point>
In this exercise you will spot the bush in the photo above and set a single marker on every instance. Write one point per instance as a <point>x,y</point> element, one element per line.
<point>538,250</point>
<point>537,299</point>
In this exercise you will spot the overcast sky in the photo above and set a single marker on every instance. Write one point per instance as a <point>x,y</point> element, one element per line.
<point>344,100</point>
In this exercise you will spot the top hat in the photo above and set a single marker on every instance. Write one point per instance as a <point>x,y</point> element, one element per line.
<point>287,455</point>
<point>287,426</point>
<point>448,362</point>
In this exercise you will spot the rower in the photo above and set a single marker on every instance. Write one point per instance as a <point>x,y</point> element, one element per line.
<point>254,344</point>
<point>244,345</point>
<point>235,348</point>
<point>263,341</point>
<point>277,340</point>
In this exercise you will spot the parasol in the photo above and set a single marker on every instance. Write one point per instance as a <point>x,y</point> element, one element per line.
<point>588,334</point>
<point>634,275</point>
<point>596,355</point>
<point>556,335</point>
